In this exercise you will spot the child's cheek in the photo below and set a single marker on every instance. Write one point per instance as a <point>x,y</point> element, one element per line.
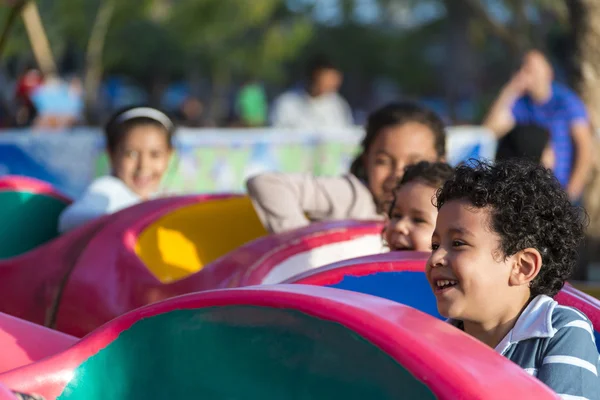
<point>386,232</point>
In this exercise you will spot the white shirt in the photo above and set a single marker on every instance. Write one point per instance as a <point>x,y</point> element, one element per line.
<point>300,110</point>
<point>105,195</point>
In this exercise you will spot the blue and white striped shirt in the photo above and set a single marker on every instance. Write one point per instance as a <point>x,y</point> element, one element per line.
<point>555,344</point>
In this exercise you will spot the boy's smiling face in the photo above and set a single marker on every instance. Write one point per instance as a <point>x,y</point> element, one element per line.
<point>467,270</point>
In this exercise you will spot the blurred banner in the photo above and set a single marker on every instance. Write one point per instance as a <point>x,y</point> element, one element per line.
<point>207,160</point>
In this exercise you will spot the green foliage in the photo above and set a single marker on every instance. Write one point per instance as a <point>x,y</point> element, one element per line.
<point>253,39</point>
<point>250,38</point>
<point>17,44</point>
<point>68,22</point>
<point>155,52</point>
<point>265,39</point>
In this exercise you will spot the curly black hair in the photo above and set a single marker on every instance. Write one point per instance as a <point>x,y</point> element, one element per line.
<point>432,174</point>
<point>528,209</point>
<point>394,114</point>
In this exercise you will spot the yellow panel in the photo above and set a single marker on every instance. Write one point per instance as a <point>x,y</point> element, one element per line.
<point>185,240</point>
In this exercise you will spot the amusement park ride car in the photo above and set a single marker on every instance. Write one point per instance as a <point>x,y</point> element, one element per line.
<point>183,296</point>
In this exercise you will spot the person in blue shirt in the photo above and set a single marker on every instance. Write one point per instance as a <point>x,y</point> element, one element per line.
<point>533,97</point>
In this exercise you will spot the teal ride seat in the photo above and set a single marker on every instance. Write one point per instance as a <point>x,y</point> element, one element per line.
<point>273,342</point>
<point>28,221</point>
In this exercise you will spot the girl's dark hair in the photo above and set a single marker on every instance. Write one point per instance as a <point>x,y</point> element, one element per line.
<point>394,114</point>
<point>128,118</point>
<point>433,174</point>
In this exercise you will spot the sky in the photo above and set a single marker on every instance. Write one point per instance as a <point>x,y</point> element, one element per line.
<point>367,11</point>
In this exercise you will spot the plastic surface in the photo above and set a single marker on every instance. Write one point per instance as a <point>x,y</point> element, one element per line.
<point>23,342</point>
<point>396,276</point>
<point>23,183</point>
<point>570,296</point>
<point>110,279</point>
<point>183,241</point>
<point>31,283</point>
<point>34,284</point>
<point>6,394</point>
<point>274,342</point>
<point>590,288</point>
<point>399,276</point>
<point>29,211</point>
<point>266,259</point>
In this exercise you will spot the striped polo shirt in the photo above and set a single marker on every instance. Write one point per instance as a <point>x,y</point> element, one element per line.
<point>555,344</point>
<point>558,115</point>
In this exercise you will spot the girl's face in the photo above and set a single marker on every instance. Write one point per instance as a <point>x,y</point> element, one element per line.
<point>142,158</point>
<point>412,219</point>
<point>393,149</point>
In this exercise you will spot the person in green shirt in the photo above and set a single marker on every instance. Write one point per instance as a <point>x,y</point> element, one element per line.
<point>251,104</point>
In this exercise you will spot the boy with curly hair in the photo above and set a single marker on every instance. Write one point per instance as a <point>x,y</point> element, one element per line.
<point>504,244</point>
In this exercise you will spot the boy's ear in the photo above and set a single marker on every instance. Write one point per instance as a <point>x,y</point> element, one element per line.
<point>527,265</point>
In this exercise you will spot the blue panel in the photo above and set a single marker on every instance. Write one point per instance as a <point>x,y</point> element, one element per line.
<point>15,161</point>
<point>410,288</point>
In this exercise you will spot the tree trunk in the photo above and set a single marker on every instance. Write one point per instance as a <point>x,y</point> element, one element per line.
<point>584,16</point>
<point>38,39</point>
<point>93,63</point>
<point>585,24</point>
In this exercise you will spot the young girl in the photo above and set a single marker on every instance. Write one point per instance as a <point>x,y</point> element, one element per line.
<point>139,144</point>
<point>505,241</point>
<point>412,216</point>
<point>397,135</point>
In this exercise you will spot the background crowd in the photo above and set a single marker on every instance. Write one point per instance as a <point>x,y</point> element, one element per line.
<point>316,65</point>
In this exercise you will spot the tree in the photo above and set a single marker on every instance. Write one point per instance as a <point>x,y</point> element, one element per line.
<point>253,40</point>
<point>584,16</point>
<point>13,14</point>
<point>94,55</point>
<point>90,23</point>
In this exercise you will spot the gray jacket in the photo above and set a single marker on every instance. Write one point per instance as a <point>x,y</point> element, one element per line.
<point>288,201</point>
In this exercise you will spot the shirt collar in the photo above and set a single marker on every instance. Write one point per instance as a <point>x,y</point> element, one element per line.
<point>534,322</point>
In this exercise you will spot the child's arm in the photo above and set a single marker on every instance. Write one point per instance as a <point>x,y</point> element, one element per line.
<point>569,365</point>
<point>283,201</point>
<point>104,196</point>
